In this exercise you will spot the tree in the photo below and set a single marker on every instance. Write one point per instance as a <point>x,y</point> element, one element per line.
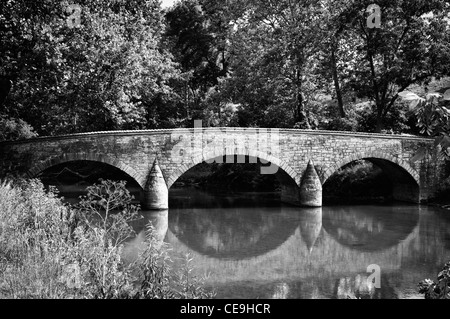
<point>432,113</point>
<point>198,33</point>
<point>274,49</point>
<point>410,47</point>
<point>104,70</point>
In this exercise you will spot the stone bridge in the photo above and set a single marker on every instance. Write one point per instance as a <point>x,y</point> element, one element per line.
<point>302,160</point>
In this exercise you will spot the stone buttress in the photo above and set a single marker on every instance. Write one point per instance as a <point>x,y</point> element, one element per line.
<point>156,193</point>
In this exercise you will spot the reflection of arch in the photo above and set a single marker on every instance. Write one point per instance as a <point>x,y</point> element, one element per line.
<point>242,152</point>
<point>373,155</point>
<point>370,228</point>
<point>233,234</point>
<point>92,157</point>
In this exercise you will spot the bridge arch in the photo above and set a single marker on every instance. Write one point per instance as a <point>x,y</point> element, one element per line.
<point>367,156</point>
<point>405,179</point>
<point>92,157</point>
<point>285,168</point>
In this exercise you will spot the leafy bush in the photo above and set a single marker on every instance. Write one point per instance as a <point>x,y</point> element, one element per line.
<point>342,124</point>
<point>439,290</point>
<point>432,113</point>
<point>395,121</point>
<point>51,250</point>
<point>15,129</point>
<point>33,242</point>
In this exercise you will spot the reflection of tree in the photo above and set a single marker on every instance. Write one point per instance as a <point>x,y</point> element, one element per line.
<point>192,197</point>
<point>360,287</point>
<point>291,270</point>
<point>369,228</point>
<point>281,291</point>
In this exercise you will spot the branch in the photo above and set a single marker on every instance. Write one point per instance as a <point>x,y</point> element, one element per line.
<point>405,31</point>
<point>372,65</point>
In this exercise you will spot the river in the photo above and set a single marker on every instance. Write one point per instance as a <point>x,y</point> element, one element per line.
<point>249,245</point>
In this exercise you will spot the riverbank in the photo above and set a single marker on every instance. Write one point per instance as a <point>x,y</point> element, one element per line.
<point>442,202</point>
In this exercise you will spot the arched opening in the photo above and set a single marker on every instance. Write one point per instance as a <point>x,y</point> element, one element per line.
<point>231,174</point>
<point>72,177</point>
<point>369,180</point>
<point>226,208</point>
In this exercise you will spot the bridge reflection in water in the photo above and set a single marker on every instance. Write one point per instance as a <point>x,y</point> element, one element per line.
<point>289,252</point>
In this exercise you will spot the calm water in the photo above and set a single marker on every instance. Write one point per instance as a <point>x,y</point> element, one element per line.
<point>251,246</point>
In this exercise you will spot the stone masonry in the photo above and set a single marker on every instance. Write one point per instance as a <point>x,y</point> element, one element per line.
<point>288,151</point>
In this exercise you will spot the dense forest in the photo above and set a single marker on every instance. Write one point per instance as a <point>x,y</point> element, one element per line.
<point>312,64</point>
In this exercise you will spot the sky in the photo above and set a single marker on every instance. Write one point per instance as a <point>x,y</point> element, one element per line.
<point>167,3</point>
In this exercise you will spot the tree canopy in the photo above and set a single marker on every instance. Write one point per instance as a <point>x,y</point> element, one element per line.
<point>116,64</point>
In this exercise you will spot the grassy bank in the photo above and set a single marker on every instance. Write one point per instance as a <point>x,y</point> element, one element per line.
<point>49,249</point>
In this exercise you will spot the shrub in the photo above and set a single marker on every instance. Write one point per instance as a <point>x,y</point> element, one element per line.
<point>33,241</point>
<point>51,250</point>
<point>342,124</point>
<point>439,290</point>
<point>15,129</point>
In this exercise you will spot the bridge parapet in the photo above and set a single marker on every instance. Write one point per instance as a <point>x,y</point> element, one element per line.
<point>290,150</point>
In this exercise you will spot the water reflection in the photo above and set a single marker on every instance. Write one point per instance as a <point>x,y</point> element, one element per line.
<point>310,225</point>
<point>158,220</point>
<point>234,233</point>
<point>253,247</point>
<point>369,228</point>
<point>360,287</point>
<point>289,252</point>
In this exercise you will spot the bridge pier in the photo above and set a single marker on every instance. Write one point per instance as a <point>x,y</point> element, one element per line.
<point>311,188</point>
<point>156,193</point>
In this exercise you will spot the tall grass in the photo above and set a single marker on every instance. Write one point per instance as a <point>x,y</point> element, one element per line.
<point>49,249</point>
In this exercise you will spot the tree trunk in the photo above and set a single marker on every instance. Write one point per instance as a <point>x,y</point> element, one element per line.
<point>299,111</point>
<point>380,120</point>
<point>301,114</point>
<point>336,84</point>
<point>300,107</point>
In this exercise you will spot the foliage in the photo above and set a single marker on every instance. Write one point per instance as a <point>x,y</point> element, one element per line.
<point>411,46</point>
<point>107,72</point>
<point>12,129</point>
<point>439,290</point>
<point>156,278</point>
<point>51,250</point>
<point>275,47</point>
<point>33,231</point>
<point>433,117</point>
<point>294,64</point>
<point>109,206</point>
<point>198,35</point>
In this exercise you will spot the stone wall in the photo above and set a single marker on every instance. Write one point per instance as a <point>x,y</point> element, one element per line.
<point>178,150</point>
